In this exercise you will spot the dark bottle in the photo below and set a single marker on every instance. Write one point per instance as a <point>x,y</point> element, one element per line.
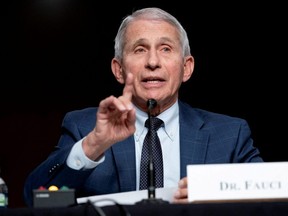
<point>3,194</point>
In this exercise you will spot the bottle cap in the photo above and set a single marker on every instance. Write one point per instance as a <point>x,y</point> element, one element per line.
<point>2,181</point>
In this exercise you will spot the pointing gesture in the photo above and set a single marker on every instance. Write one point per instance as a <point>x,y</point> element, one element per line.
<point>115,122</point>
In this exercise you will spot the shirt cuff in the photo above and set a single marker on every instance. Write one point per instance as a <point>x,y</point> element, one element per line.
<point>78,160</point>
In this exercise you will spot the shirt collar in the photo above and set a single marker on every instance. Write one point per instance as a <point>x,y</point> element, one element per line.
<point>169,116</point>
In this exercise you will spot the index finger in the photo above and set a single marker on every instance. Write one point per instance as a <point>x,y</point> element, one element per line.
<point>128,88</point>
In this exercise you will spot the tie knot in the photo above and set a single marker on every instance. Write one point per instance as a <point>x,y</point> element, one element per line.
<point>155,123</point>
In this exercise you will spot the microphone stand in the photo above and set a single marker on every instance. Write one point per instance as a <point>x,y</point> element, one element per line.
<point>151,104</point>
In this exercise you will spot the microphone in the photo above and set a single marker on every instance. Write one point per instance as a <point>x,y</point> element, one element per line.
<point>151,104</point>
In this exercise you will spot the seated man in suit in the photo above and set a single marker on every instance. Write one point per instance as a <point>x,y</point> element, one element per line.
<point>99,151</point>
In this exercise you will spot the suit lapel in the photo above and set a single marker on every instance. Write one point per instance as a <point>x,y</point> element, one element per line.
<point>124,154</point>
<point>193,141</point>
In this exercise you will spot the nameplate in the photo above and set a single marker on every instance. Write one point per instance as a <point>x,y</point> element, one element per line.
<point>238,181</point>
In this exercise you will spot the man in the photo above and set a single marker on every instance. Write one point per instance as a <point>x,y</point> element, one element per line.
<point>99,151</point>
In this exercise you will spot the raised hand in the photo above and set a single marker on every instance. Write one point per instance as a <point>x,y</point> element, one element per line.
<point>115,122</point>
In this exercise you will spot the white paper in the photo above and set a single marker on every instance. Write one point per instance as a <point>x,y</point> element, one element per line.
<point>128,198</point>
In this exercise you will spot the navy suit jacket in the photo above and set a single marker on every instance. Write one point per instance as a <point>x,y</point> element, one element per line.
<point>205,138</point>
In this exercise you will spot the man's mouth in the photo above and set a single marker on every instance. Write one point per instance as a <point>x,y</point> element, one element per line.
<point>153,80</point>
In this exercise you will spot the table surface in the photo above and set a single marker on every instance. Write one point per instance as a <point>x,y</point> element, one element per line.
<point>151,209</point>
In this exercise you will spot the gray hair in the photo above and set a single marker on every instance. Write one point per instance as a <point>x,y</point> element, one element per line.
<point>152,14</point>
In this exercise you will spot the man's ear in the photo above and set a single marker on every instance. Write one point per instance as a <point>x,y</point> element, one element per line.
<point>117,70</point>
<point>188,68</point>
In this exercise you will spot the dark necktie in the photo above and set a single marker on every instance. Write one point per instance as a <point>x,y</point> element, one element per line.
<point>151,142</point>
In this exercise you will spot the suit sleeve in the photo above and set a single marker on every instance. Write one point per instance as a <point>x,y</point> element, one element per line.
<point>54,170</point>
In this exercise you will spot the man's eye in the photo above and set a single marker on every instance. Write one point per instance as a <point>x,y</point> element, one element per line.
<point>139,50</point>
<point>166,49</point>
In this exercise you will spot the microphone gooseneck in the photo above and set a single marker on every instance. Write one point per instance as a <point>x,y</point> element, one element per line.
<point>151,104</point>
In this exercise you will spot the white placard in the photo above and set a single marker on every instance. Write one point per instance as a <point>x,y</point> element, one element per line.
<point>237,181</point>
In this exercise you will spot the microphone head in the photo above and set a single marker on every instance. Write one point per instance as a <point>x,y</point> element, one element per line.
<point>151,104</point>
